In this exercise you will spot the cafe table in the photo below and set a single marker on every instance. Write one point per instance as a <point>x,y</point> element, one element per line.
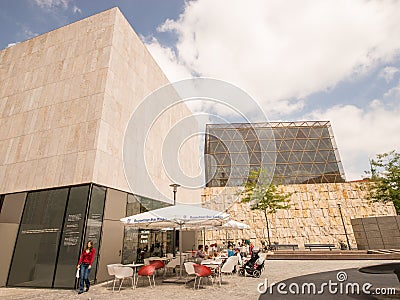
<point>134,267</point>
<point>215,266</point>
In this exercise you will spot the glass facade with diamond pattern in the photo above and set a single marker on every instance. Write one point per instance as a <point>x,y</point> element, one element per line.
<point>294,152</point>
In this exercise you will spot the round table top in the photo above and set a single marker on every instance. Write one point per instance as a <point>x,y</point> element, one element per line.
<point>133,265</point>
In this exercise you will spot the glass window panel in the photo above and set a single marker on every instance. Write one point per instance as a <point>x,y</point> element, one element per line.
<point>130,250</point>
<point>290,133</point>
<point>1,202</point>
<point>253,146</point>
<point>319,157</point>
<point>72,237</point>
<point>306,157</point>
<point>290,144</point>
<point>95,221</point>
<point>279,133</point>
<point>265,134</point>
<point>220,147</point>
<point>38,239</point>
<point>255,159</point>
<point>292,158</point>
<point>249,135</point>
<point>332,168</point>
<point>212,147</point>
<point>298,145</point>
<point>226,160</point>
<point>312,144</point>
<point>302,133</point>
<point>325,133</point>
<point>325,144</point>
<point>285,156</point>
<point>284,146</point>
<point>132,206</point>
<point>234,146</point>
<point>296,156</point>
<point>331,156</point>
<point>316,132</point>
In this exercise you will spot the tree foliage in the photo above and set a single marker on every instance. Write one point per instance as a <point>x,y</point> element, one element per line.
<point>263,196</point>
<point>385,179</point>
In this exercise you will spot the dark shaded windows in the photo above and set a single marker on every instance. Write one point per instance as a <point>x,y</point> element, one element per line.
<point>71,239</point>
<point>39,235</point>
<point>50,240</point>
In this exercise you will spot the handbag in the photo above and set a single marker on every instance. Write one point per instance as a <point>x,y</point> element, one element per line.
<point>77,272</point>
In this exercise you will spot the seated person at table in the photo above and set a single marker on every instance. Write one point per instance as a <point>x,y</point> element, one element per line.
<point>230,251</point>
<point>206,252</point>
<point>200,255</point>
<point>217,254</point>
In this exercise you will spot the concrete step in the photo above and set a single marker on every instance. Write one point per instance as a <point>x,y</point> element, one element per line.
<point>383,251</point>
<point>320,251</point>
<point>332,255</point>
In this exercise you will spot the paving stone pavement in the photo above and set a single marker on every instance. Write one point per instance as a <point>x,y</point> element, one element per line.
<point>233,287</point>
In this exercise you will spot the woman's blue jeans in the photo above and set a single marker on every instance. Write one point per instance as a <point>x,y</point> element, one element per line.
<point>84,276</point>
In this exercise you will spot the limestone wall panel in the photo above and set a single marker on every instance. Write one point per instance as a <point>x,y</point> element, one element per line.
<point>307,221</point>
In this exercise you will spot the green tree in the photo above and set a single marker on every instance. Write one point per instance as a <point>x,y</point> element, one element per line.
<point>264,196</point>
<point>385,179</point>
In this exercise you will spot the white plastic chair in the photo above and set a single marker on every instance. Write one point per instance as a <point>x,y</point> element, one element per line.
<point>121,273</point>
<point>169,256</point>
<point>229,265</point>
<point>189,268</point>
<point>172,264</point>
<point>111,271</point>
<point>240,260</point>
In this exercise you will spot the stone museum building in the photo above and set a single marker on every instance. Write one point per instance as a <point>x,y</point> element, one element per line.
<point>66,98</point>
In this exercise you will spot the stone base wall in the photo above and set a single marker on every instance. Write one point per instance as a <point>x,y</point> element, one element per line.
<point>377,233</point>
<point>313,217</point>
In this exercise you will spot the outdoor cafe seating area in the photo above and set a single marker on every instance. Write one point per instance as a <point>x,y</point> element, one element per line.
<point>179,267</point>
<point>160,269</point>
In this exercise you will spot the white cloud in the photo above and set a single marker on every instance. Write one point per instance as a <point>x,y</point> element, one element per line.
<point>168,61</point>
<point>76,9</point>
<point>26,32</point>
<point>363,133</point>
<point>388,73</point>
<point>53,3</point>
<point>281,51</point>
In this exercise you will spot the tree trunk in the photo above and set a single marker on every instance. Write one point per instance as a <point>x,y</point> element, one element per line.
<point>269,239</point>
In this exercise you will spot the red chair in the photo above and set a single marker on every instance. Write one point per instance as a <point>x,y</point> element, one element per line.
<point>147,271</point>
<point>202,271</point>
<point>158,264</point>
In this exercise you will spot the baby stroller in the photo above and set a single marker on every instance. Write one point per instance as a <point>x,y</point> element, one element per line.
<point>254,266</point>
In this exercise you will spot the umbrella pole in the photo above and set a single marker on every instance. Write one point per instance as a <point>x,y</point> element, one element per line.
<point>204,237</point>
<point>180,251</point>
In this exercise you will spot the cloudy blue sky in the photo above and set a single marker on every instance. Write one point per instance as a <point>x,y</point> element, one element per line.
<point>334,60</point>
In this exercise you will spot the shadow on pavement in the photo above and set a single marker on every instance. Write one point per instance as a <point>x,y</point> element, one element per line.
<point>343,284</point>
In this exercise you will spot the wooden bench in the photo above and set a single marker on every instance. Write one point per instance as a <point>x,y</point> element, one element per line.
<point>319,246</point>
<point>285,246</point>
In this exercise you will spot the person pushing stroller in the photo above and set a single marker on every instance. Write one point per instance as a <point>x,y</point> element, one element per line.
<point>254,266</point>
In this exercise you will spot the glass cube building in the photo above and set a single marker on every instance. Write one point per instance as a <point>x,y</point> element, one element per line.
<point>292,152</point>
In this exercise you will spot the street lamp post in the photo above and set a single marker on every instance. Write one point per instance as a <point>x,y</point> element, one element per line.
<point>174,189</point>
<point>344,226</point>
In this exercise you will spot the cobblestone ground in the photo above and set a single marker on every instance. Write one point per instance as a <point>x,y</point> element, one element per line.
<point>233,287</point>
